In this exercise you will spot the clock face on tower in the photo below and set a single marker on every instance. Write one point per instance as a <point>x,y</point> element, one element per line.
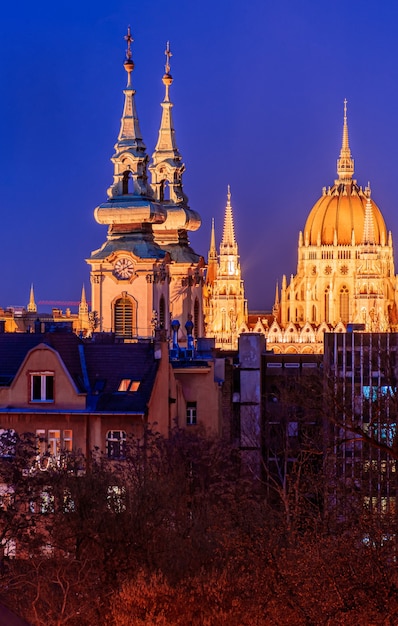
<point>123,268</point>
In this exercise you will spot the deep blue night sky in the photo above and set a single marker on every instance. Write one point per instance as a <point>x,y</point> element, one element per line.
<point>258,104</point>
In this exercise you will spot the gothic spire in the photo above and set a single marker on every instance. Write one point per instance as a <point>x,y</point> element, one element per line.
<point>228,238</point>
<point>345,163</point>
<point>213,249</point>
<point>83,306</point>
<point>368,227</point>
<point>32,308</point>
<point>212,259</point>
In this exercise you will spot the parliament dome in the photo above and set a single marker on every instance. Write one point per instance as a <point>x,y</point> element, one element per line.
<point>339,215</point>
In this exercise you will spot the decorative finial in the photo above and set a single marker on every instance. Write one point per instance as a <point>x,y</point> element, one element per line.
<point>345,110</point>
<point>129,40</point>
<point>128,62</point>
<point>167,77</point>
<point>229,194</point>
<point>168,57</point>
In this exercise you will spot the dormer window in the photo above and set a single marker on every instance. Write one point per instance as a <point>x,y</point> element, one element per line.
<point>42,387</point>
<point>128,384</point>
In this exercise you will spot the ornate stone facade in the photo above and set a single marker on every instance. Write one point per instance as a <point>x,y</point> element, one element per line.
<point>345,271</point>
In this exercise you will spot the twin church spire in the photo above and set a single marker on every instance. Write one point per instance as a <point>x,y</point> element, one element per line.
<point>131,159</point>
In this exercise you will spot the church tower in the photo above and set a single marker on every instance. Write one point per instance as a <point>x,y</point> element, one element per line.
<point>226,307</point>
<point>345,271</point>
<point>32,307</point>
<point>141,278</point>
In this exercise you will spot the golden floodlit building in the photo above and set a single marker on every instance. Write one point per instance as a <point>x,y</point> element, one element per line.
<point>345,270</point>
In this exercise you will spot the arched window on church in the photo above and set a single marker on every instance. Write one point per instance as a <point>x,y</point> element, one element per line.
<point>162,312</point>
<point>125,317</point>
<point>196,318</point>
<point>327,300</point>
<point>344,305</point>
<point>125,183</point>
<point>164,191</point>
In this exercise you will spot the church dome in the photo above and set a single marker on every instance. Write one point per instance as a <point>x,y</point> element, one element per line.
<point>339,214</point>
<point>338,218</point>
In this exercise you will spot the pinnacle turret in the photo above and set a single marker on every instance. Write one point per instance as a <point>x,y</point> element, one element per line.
<point>213,249</point>
<point>345,163</point>
<point>368,227</point>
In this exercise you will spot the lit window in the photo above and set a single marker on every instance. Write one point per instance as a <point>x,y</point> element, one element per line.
<point>42,387</point>
<point>128,384</point>
<point>67,440</point>
<point>191,413</point>
<point>54,442</point>
<point>6,496</point>
<point>116,444</point>
<point>47,501</point>
<point>116,498</point>
<point>49,446</point>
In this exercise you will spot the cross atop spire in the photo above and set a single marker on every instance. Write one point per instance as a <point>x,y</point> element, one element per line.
<point>345,163</point>
<point>168,56</point>
<point>167,166</point>
<point>129,40</point>
<point>228,238</point>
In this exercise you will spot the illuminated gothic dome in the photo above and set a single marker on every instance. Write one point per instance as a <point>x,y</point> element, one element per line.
<point>345,269</point>
<point>338,217</point>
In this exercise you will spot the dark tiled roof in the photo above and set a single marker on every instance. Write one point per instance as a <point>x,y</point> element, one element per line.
<point>112,363</point>
<point>105,366</point>
<point>15,346</point>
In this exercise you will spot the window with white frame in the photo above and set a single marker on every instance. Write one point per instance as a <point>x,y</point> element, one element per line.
<point>116,444</point>
<point>191,413</point>
<point>42,387</point>
<point>51,443</point>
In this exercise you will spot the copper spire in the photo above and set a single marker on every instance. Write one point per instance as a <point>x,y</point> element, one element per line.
<point>345,163</point>
<point>166,157</point>
<point>130,133</point>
